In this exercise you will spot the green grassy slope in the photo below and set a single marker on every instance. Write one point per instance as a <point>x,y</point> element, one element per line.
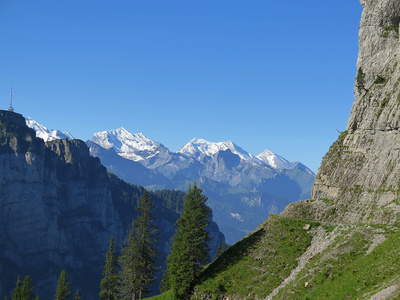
<point>258,263</point>
<point>351,268</point>
<point>359,261</point>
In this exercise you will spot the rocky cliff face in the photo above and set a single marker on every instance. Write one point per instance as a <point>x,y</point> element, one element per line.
<point>59,209</point>
<point>56,209</point>
<point>361,172</point>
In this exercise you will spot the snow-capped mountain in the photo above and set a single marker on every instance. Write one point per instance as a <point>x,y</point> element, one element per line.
<point>275,161</point>
<point>197,147</point>
<point>135,147</point>
<point>46,134</point>
<point>138,147</point>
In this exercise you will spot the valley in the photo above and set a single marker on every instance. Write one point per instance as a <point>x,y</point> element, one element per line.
<point>291,234</point>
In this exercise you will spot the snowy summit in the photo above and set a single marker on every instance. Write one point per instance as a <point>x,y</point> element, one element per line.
<point>135,147</point>
<point>197,147</point>
<point>46,134</point>
<point>274,160</point>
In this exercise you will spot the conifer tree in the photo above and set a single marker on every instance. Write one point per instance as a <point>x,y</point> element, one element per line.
<point>24,292</point>
<point>110,281</point>
<point>16,293</point>
<point>221,249</point>
<point>139,253</point>
<point>77,296</point>
<point>63,287</point>
<point>27,289</point>
<point>189,250</point>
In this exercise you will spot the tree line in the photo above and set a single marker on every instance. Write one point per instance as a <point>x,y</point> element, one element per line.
<point>130,275</point>
<point>26,291</point>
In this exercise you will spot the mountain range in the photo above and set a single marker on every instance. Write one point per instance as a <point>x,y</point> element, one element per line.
<point>243,189</point>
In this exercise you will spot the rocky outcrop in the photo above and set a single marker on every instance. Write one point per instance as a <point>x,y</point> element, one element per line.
<point>59,208</point>
<point>359,178</point>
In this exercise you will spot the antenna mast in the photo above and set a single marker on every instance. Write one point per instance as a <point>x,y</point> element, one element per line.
<point>11,107</point>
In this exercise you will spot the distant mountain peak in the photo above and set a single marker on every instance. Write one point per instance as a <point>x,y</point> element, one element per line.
<point>133,146</point>
<point>274,160</point>
<point>197,147</point>
<point>46,134</point>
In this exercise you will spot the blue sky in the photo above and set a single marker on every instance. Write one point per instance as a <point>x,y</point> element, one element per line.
<point>274,75</point>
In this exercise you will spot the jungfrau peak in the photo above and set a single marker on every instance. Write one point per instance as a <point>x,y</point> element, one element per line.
<point>361,172</point>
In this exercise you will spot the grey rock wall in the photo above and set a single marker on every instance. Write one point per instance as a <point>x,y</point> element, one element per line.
<point>56,210</point>
<point>359,178</point>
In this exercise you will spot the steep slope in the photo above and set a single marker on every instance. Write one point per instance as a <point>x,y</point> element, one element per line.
<point>349,246</point>
<point>59,208</point>
<point>288,258</point>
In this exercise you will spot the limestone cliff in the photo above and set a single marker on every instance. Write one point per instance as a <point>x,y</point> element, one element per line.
<point>359,178</point>
<point>59,208</point>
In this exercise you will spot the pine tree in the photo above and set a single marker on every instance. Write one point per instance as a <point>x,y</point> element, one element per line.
<point>77,296</point>
<point>16,293</point>
<point>109,283</point>
<point>189,250</point>
<point>27,289</point>
<point>24,292</point>
<point>139,253</point>
<point>221,249</point>
<point>63,287</point>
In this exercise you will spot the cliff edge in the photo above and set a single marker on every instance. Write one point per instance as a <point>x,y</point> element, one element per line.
<point>359,177</point>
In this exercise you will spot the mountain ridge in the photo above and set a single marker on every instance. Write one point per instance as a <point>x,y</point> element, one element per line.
<point>195,148</point>
<point>224,164</point>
